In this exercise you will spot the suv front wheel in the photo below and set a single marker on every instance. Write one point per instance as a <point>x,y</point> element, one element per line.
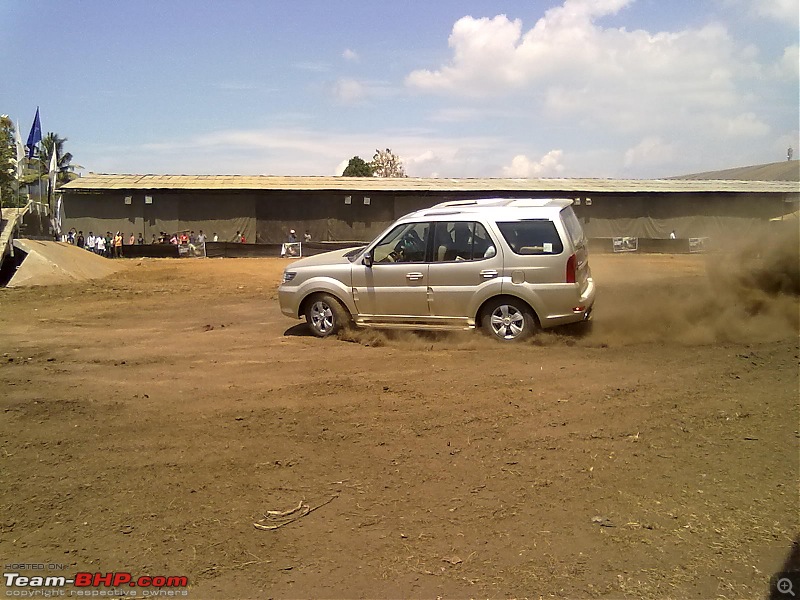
<point>508,319</point>
<point>325,315</point>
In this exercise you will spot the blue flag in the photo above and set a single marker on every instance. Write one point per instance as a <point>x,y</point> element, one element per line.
<point>35,136</point>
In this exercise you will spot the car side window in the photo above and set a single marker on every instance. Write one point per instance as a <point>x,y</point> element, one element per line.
<point>404,243</point>
<point>482,244</point>
<point>532,236</point>
<point>461,240</point>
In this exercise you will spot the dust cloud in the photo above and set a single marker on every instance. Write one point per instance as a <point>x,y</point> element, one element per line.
<point>749,293</point>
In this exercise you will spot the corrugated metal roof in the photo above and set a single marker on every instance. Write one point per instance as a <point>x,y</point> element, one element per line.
<point>103,182</point>
<point>787,170</point>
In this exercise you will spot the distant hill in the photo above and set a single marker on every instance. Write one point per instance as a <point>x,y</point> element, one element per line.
<point>788,170</point>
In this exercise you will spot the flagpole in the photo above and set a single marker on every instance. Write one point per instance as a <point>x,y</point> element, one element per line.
<point>40,171</point>
<point>20,168</point>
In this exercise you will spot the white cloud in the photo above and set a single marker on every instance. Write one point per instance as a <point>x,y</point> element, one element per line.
<point>456,115</point>
<point>699,87</point>
<point>523,167</point>
<point>427,161</point>
<point>745,125</point>
<point>301,151</point>
<point>651,151</point>
<point>348,91</point>
<point>788,67</point>
<point>785,11</point>
<point>580,68</point>
<point>341,167</point>
<point>350,55</point>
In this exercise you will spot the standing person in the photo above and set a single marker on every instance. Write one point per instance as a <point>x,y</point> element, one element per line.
<point>80,242</point>
<point>118,245</point>
<point>131,240</point>
<point>140,241</point>
<point>238,237</point>
<point>201,237</point>
<point>215,238</point>
<point>288,248</point>
<point>672,235</point>
<point>100,245</point>
<point>307,236</point>
<point>91,242</point>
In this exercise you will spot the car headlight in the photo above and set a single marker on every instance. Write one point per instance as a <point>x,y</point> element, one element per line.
<point>288,276</point>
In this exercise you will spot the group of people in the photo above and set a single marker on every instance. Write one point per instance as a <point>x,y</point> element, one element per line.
<point>108,245</point>
<point>183,238</point>
<point>111,245</point>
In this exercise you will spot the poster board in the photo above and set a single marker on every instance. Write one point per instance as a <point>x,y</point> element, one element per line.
<point>625,244</point>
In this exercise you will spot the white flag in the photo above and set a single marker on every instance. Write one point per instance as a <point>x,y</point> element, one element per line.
<point>53,169</point>
<point>20,152</point>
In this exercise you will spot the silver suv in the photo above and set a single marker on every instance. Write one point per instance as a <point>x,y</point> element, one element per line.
<point>508,266</point>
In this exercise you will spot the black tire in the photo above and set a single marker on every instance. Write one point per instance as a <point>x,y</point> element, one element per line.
<point>325,315</point>
<point>508,320</point>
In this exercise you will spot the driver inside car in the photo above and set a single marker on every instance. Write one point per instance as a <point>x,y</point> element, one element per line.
<point>410,248</point>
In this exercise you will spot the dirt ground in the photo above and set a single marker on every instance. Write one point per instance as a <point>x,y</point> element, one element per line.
<point>152,417</point>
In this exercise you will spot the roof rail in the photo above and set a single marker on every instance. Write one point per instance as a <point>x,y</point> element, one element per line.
<point>512,202</point>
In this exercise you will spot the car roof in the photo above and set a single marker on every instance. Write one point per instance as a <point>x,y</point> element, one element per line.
<point>496,208</point>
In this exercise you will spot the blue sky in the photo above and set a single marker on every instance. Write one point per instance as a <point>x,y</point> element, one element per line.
<point>562,88</point>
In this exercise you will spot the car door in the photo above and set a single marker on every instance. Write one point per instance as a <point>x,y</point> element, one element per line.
<point>394,287</point>
<point>464,272</point>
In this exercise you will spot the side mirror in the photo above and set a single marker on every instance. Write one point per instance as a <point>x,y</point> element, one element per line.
<point>368,259</point>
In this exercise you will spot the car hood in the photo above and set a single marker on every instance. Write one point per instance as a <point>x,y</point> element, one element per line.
<point>333,257</point>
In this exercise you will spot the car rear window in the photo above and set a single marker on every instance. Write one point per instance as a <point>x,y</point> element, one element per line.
<point>532,236</point>
<point>573,226</point>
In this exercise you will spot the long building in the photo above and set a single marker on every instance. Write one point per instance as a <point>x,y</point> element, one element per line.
<point>264,208</point>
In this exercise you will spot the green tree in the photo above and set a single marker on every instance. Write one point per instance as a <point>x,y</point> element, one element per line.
<point>387,164</point>
<point>8,162</point>
<point>357,167</point>
<point>66,170</point>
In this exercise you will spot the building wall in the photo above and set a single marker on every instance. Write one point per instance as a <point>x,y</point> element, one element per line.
<point>267,216</point>
<point>170,211</point>
<point>326,215</point>
<point>689,215</point>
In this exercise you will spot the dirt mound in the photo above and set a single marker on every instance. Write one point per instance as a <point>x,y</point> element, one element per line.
<point>52,263</point>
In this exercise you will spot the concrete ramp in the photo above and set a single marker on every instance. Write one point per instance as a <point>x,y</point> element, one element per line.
<point>53,263</point>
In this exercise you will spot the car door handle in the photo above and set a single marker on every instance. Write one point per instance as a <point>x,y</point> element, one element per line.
<point>415,276</point>
<point>489,273</point>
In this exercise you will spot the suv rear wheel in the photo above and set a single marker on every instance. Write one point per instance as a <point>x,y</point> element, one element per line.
<point>508,319</point>
<point>325,315</point>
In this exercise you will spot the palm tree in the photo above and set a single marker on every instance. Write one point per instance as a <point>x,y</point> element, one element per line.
<point>66,170</point>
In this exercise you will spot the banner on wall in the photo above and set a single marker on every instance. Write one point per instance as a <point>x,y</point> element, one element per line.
<point>626,244</point>
<point>697,244</point>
